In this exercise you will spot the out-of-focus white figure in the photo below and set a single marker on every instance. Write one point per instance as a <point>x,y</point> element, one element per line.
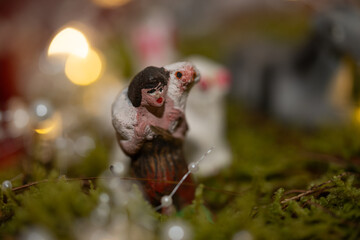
<point>97,100</point>
<point>205,114</point>
<point>153,39</point>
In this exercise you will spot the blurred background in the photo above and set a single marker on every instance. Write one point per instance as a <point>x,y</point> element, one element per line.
<point>63,62</point>
<point>288,63</point>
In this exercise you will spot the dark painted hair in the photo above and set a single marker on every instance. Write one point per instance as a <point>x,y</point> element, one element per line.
<point>150,77</point>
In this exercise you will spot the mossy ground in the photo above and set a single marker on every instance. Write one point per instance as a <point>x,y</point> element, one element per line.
<point>271,164</point>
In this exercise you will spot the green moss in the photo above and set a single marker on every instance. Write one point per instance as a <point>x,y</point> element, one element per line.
<point>53,204</point>
<point>270,161</point>
<point>93,164</point>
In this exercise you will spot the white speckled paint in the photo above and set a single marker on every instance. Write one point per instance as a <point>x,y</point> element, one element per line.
<point>124,115</point>
<point>174,91</point>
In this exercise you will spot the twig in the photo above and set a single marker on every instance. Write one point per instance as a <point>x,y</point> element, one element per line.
<point>124,178</point>
<point>315,189</point>
<point>294,191</point>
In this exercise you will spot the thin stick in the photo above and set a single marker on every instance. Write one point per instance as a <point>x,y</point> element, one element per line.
<point>130,179</point>
<point>313,189</point>
<point>179,183</point>
<point>186,175</point>
<point>29,185</point>
<point>294,191</point>
<point>188,172</point>
<point>17,177</point>
<point>92,178</point>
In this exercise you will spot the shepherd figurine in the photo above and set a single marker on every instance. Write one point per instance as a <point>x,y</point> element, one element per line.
<point>150,125</point>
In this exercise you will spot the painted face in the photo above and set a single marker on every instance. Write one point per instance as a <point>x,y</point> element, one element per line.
<point>186,76</point>
<point>154,97</point>
<point>183,75</point>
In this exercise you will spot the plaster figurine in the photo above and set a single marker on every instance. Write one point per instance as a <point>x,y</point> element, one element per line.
<point>154,39</point>
<point>150,124</point>
<point>214,84</point>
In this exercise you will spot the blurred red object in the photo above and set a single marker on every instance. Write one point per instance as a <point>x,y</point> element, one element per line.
<point>7,78</point>
<point>10,147</point>
<point>10,151</point>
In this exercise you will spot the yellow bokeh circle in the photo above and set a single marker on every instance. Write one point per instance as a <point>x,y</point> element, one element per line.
<point>110,3</point>
<point>84,71</point>
<point>69,41</point>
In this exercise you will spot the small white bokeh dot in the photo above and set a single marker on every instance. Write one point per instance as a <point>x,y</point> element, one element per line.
<point>242,235</point>
<point>117,168</point>
<point>83,145</point>
<point>41,110</point>
<point>176,232</point>
<point>166,201</point>
<point>35,233</point>
<point>6,185</point>
<point>104,198</point>
<point>193,167</point>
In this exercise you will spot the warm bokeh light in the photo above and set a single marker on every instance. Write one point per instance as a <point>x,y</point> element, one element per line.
<point>357,115</point>
<point>69,41</point>
<point>110,3</point>
<point>84,71</point>
<point>51,127</point>
<point>21,118</point>
<point>45,130</point>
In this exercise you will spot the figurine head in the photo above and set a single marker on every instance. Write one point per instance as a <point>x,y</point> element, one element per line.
<point>149,87</point>
<point>182,75</point>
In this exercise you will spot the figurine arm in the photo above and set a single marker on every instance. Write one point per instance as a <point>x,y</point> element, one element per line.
<point>181,129</point>
<point>179,126</point>
<point>126,134</point>
<point>131,146</point>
